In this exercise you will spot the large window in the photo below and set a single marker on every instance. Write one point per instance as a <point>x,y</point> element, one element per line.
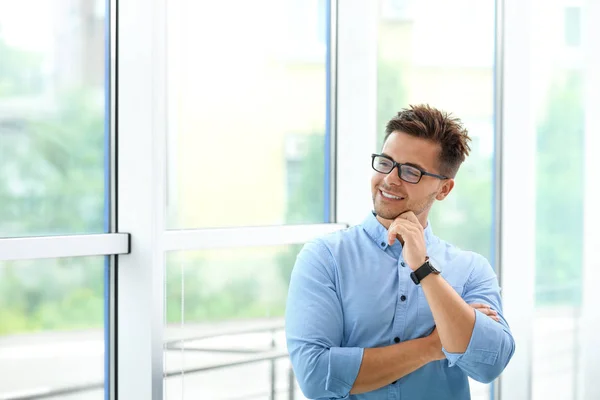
<point>453,71</point>
<point>224,322</point>
<point>560,109</point>
<point>246,148</point>
<point>247,100</point>
<point>549,205</point>
<point>54,176</point>
<point>51,337</point>
<point>52,118</point>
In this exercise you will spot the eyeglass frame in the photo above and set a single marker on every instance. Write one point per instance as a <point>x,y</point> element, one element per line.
<point>399,165</point>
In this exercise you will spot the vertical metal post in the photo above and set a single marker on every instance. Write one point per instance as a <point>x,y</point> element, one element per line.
<point>273,366</point>
<point>291,383</point>
<point>576,348</point>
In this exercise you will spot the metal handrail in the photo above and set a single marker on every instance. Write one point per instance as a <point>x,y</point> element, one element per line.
<point>270,326</point>
<point>271,355</point>
<point>267,356</point>
<point>37,394</point>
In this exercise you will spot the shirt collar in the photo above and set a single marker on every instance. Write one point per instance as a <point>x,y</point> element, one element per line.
<point>378,233</point>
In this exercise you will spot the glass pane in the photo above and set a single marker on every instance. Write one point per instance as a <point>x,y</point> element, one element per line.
<point>223,307</point>
<point>414,67</point>
<point>559,95</point>
<point>52,118</point>
<point>247,131</point>
<point>51,328</point>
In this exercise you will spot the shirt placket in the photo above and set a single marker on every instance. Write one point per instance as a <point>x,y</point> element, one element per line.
<point>394,392</point>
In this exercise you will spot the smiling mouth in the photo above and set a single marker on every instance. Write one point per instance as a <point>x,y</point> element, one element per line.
<point>390,196</point>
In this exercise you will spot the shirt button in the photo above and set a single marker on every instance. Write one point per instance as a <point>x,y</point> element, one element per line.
<point>403,264</point>
<point>382,244</point>
<point>397,339</point>
<point>403,297</point>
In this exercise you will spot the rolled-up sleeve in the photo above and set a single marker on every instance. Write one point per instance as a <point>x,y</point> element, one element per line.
<point>492,345</point>
<point>314,328</point>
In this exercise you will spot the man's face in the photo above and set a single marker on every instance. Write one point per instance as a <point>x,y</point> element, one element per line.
<point>415,197</point>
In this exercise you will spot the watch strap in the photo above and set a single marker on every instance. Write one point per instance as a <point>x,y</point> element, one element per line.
<point>422,272</point>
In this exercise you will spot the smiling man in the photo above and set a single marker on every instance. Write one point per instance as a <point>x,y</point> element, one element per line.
<point>385,309</point>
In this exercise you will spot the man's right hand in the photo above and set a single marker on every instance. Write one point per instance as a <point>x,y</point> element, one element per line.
<point>487,310</point>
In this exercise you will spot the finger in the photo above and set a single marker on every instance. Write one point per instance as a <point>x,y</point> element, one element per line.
<point>396,229</point>
<point>408,226</point>
<point>487,311</point>
<point>481,306</point>
<point>410,216</point>
<point>392,232</point>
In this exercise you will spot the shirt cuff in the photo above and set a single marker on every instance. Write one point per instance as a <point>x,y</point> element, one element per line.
<point>478,350</point>
<point>344,363</point>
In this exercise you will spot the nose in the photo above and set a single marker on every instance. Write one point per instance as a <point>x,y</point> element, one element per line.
<point>393,178</point>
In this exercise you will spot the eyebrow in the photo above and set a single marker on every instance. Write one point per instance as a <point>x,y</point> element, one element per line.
<point>408,163</point>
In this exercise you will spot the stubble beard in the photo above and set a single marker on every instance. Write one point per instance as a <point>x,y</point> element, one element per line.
<point>391,214</point>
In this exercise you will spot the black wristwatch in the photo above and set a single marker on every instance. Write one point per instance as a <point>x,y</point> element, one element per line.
<point>420,273</point>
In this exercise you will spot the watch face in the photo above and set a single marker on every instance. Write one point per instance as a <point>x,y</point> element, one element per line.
<point>434,270</point>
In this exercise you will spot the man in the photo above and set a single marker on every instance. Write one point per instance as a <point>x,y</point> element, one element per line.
<point>369,315</point>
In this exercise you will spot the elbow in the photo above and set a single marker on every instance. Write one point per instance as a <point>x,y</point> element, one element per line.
<point>485,376</point>
<point>309,386</point>
<point>312,374</point>
<point>309,373</point>
<point>313,384</point>
<point>311,393</point>
<point>493,371</point>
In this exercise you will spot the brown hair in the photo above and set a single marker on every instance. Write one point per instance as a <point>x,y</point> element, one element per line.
<point>440,127</point>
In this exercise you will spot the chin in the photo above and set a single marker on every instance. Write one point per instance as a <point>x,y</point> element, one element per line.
<point>386,213</point>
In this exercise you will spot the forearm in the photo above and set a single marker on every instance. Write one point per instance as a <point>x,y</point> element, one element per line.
<point>453,317</point>
<point>384,365</point>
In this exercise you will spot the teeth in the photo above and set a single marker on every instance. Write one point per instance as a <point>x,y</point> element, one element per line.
<point>389,196</point>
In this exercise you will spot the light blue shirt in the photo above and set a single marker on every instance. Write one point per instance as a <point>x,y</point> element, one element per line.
<point>350,290</point>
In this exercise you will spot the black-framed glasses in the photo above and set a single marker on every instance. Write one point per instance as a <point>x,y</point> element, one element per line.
<point>408,173</point>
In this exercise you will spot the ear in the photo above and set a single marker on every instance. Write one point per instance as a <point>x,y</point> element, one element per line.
<point>445,189</point>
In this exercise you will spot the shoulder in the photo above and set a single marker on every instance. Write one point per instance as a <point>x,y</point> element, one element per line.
<point>334,241</point>
<point>470,266</point>
<point>327,250</point>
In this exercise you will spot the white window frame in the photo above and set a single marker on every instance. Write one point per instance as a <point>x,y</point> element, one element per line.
<point>590,317</point>
<point>356,107</point>
<point>28,248</point>
<point>515,215</point>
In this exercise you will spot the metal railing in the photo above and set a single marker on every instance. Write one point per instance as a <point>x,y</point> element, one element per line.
<point>256,356</point>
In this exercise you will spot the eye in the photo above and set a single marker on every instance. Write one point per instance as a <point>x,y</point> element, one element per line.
<point>384,163</point>
<point>412,172</point>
